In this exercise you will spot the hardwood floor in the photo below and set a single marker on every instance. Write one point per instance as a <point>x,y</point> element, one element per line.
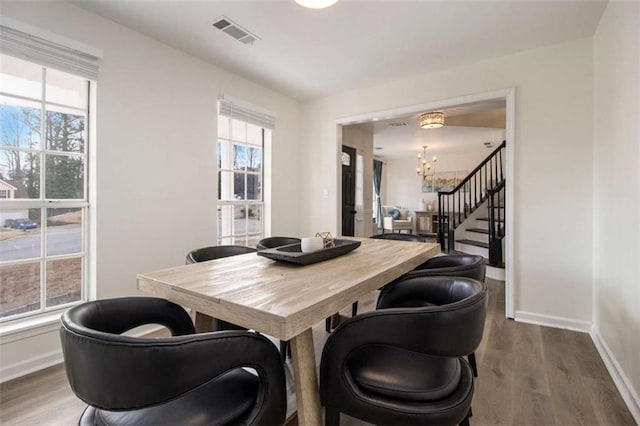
<point>528,375</point>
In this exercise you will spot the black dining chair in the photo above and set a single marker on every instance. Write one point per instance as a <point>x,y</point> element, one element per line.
<point>195,379</point>
<point>455,265</point>
<point>402,364</point>
<point>273,242</point>
<point>452,265</point>
<point>386,236</point>
<point>218,252</point>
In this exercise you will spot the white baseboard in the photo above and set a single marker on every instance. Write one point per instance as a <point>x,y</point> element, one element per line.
<point>553,321</point>
<point>620,379</point>
<point>30,365</point>
<point>40,362</point>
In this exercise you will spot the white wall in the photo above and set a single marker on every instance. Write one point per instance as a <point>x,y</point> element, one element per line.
<point>404,186</point>
<point>156,138</point>
<point>616,182</point>
<point>553,163</point>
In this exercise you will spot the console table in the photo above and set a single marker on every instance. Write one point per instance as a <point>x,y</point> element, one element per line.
<point>427,222</point>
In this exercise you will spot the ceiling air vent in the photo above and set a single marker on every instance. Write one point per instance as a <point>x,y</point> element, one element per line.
<point>234,30</point>
<point>397,124</point>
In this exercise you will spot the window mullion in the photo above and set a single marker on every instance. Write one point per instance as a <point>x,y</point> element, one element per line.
<point>43,210</point>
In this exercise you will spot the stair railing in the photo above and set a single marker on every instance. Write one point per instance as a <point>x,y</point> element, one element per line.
<point>456,205</point>
<point>496,223</point>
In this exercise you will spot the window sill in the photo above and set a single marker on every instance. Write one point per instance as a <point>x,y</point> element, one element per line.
<point>30,327</point>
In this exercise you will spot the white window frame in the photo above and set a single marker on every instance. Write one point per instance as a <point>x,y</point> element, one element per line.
<point>227,235</point>
<point>14,322</point>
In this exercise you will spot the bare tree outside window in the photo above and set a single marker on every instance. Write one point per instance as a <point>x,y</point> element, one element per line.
<point>240,175</point>
<point>43,159</point>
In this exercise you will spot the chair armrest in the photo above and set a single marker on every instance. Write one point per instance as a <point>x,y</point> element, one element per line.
<point>388,222</point>
<point>136,373</point>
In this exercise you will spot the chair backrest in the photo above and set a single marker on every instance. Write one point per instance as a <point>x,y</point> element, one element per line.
<point>399,237</point>
<point>216,252</point>
<point>273,242</point>
<point>451,324</point>
<point>455,265</point>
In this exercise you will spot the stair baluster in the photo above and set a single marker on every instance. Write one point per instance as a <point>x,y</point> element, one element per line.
<point>454,206</point>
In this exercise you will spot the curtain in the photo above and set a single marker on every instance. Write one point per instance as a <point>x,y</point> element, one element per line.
<point>377,180</point>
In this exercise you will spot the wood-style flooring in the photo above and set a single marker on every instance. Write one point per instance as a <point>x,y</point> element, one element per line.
<point>528,375</point>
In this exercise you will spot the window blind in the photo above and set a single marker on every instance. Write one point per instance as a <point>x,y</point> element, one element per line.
<point>234,108</point>
<point>48,53</point>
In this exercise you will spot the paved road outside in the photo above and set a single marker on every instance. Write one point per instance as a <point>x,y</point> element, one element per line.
<point>62,239</point>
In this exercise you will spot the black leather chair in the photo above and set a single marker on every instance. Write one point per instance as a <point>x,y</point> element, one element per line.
<point>399,237</point>
<point>455,265</point>
<point>217,252</point>
<point>273,242</point>
<point>189,378</point>
<point>387,236</point>
<point>404,365</point>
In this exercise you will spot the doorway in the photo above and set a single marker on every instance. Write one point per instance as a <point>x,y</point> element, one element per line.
<point>348,190</point>
<point>506,95</point>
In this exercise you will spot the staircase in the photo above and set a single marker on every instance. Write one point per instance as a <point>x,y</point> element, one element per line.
<point>471,217</point>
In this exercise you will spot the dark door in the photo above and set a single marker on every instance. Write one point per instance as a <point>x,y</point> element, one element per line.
<point>348,190</point>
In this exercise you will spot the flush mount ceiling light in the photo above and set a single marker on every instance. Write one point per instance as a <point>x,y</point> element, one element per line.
<point>316,4</point>
<point>432,120</point>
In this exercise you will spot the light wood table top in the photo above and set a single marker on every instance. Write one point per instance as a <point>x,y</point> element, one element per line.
<point>284,300</point>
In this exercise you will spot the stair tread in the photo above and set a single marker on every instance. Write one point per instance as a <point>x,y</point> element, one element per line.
<point>474,243</point>
<point>478,230</point>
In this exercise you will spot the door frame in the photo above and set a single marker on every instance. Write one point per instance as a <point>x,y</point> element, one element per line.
<point>355,172</point>
<point>509,95</point>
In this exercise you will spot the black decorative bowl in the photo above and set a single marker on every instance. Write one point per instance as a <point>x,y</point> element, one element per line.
<point>292,253</point>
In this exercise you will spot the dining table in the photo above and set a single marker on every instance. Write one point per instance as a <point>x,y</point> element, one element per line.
<point>286,300</point>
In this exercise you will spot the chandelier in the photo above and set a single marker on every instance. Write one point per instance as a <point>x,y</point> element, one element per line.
<point>424,169</point>
<point>432,120</point>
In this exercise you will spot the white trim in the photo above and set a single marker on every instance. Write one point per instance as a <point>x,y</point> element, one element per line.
<point>509,94</point>
<point>30,365</point>
<point>553,321</point>
<point>40,362</point>
<point>620,379</point>
<point>509,259</point>
<point>27,327</point>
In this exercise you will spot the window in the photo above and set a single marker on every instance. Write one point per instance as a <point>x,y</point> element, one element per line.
<point>3,194</point>
<point>240,182</point>
<point>43,162</point>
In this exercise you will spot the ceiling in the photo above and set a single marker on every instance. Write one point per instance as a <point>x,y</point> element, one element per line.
<point>306,53</point>
<point>466,129</point>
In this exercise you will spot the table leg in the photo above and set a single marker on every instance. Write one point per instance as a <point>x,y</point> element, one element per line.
<point>204,323</point>
<point>304,370</point>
